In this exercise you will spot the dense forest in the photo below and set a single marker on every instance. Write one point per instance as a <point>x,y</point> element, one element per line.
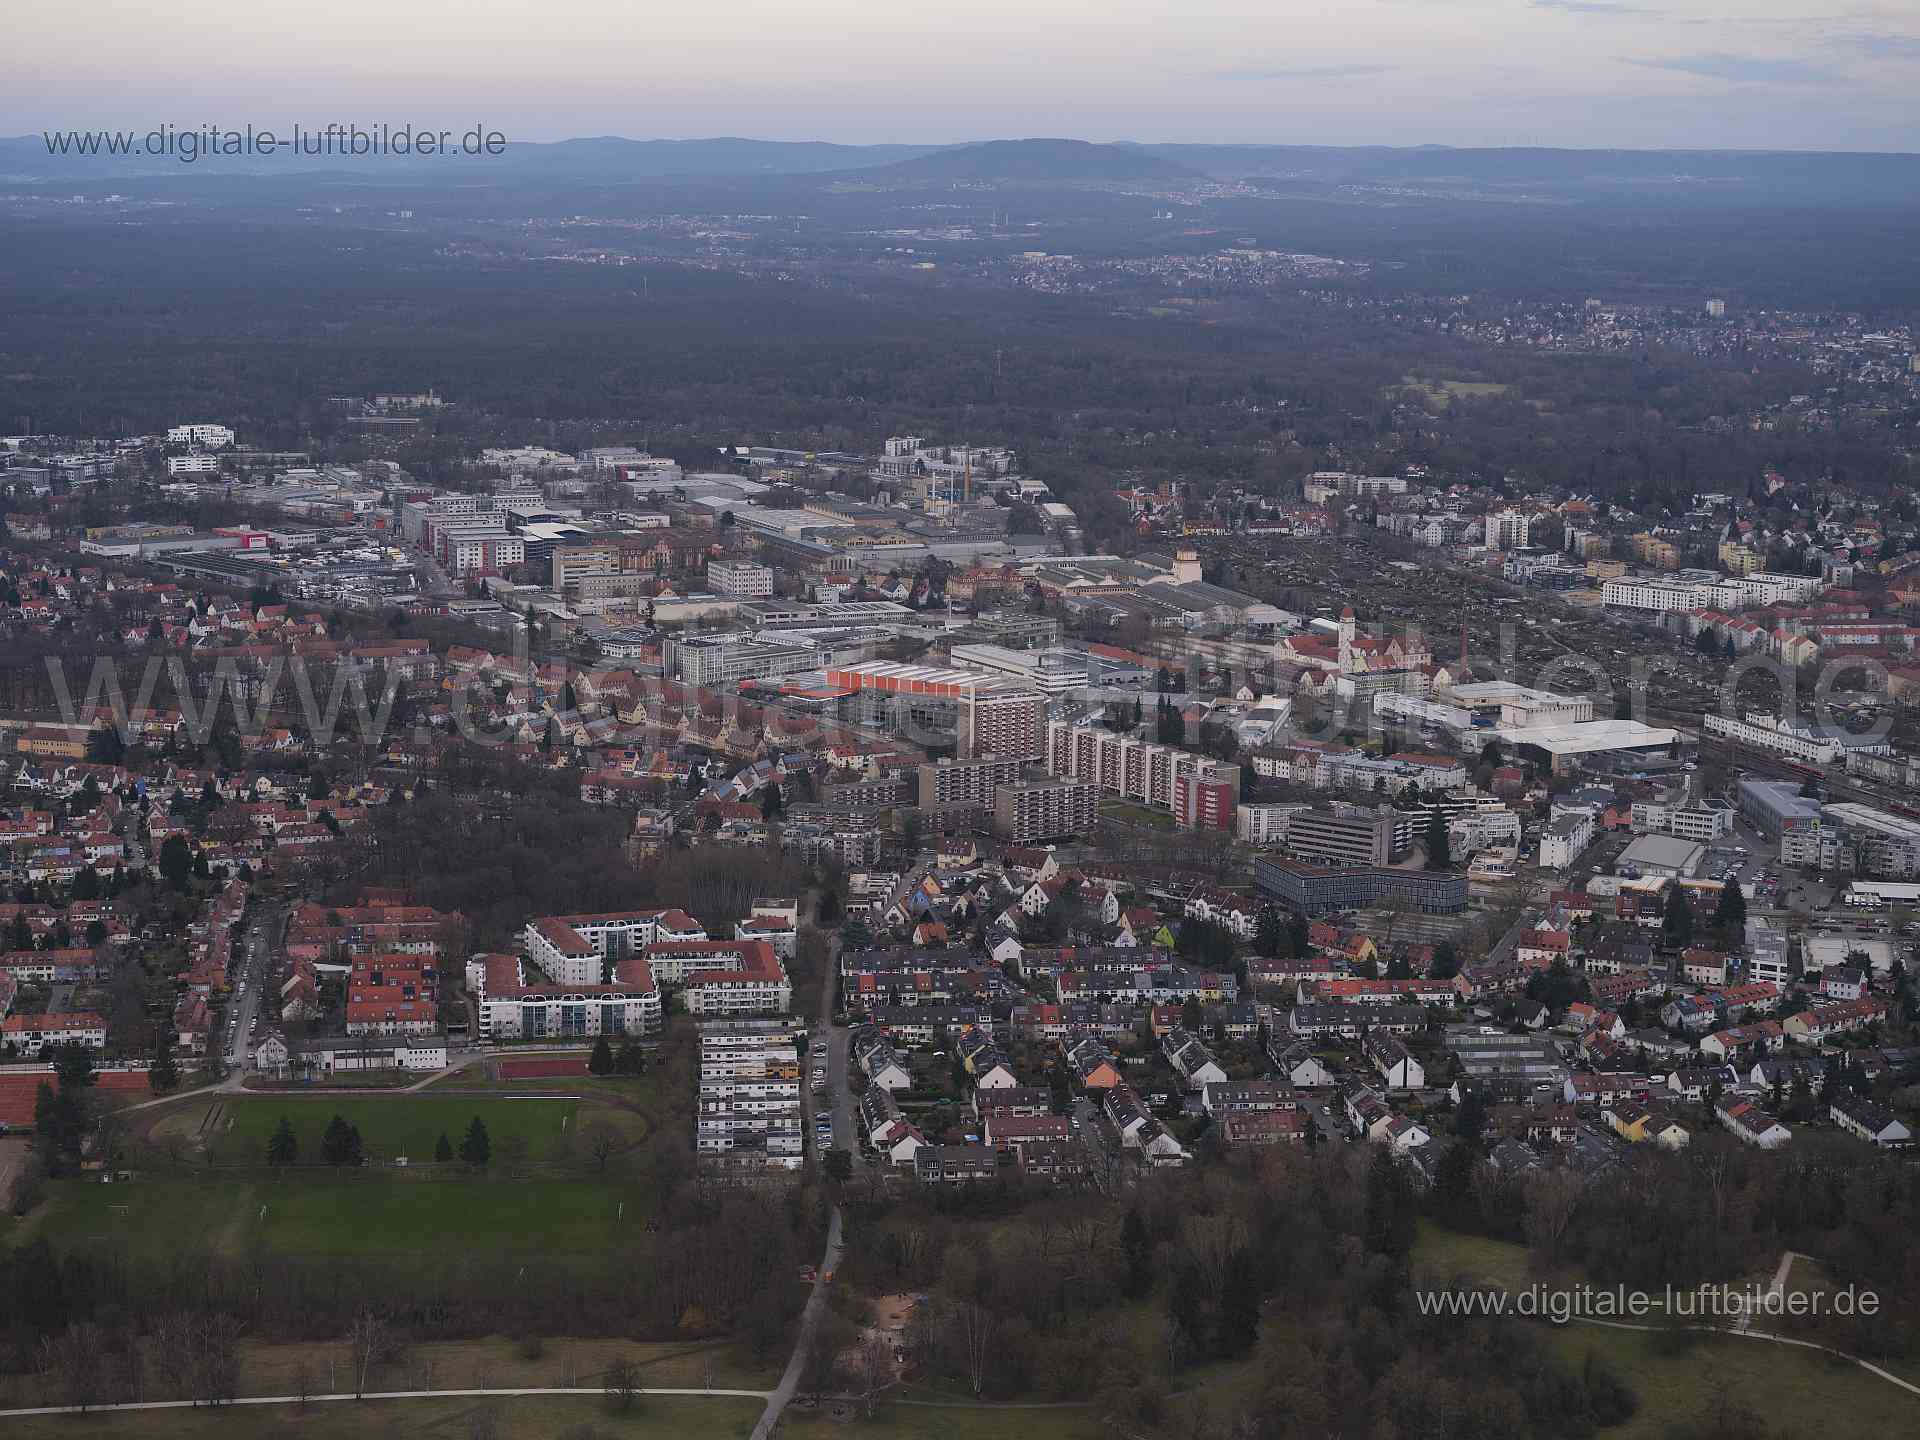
<point>124,329</point>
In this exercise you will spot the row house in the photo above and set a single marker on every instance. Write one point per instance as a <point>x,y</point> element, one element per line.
<point>1871,1122</point>
<point>1398,1068</point>
<point>1348,1022</point>
<point>1752,1124</point>
<point>1418,991</point>
<point>31,1034</point>
<point>1812,1026</point>
<point>1233,1097</point>
<point>1607,1087</point>
<point>1013,1100</point>
<point>1190,1059</point>
<point>1764,1035</point>
<point>1261,1128</point>
<point>1294,1061</point>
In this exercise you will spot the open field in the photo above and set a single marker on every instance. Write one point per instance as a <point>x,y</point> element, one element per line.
<point>1796,1391</point>
<point>541,1417</point>
<point>391,1125</point>
<point>497,1361</point>
<point>344,1215</point>
<point>1446,1254</point>
<point>234,1129</point>
<point>1793,1391</point>
<point>1446,391</point>
<point>951,1422</point>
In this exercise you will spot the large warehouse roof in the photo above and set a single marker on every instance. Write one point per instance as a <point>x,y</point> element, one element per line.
<point>1587,737</point>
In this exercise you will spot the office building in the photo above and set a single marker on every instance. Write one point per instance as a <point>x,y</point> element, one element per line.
<point>1315,889</point>
<point>1342,835</point>
<point>740,580</point>
<point>206,437</point>
<point>1051,672</point>
<point>714,662</point>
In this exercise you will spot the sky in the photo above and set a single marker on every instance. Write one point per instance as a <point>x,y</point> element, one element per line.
<point>1776,74</point>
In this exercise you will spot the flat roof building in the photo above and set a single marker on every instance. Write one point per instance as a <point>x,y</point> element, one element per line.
<point>1663,855</point>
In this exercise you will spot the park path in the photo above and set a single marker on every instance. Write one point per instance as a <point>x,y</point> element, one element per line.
<point>1867,1365</point>
<point>370,1395</point>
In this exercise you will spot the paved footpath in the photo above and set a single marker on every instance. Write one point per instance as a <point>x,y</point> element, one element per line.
<point>370,1395</point>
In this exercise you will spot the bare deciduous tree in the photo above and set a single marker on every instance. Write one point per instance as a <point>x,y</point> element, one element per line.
<point>370,1343</point>
<point>72,1364</point>
<point>873,1371</point>
<point>601,1143</point>
<point>1552,1197</point>
<point>622,1382</point>
<point>975,1328</point>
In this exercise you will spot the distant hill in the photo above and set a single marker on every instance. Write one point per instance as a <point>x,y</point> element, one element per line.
<point>1732,176</point>
<point>1038,160</point>
<point>602,159</point>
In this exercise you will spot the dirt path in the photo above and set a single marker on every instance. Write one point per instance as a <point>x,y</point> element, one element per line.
<point>13,1158</point>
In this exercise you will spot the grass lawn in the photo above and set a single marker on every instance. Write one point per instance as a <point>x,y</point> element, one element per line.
<point>391,1125</point>
<point>544,1417</point>
<point>1137,815</point>
<point>1446,1253</point>
<point>497,1362</point>
<point>1794,1391</point>
<point>949,1422</point>
<point>328,1215</point>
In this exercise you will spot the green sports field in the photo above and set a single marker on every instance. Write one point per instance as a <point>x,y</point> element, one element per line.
<point>392,1125</point>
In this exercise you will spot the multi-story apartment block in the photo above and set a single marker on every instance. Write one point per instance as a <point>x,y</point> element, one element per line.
<point>577,949</point>
<point>1206,800</point>
<point>1046,810</point>
<point>1132,768</point>
<point>513,1009</point>
<point>965,784</point>
<point>1633,592</point>
<point>723,977</point>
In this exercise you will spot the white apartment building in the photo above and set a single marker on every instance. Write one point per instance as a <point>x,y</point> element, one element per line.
<point>723,977</point>
<point>575,949</point>
<point>1508,529</point>
<point>207,437</point>
<point>511,1009</point>
<point>749,1093</point>
<point>1567,834</point>
<point>740,580</point>
<point>1633,592</point>
<point>192,464</point>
